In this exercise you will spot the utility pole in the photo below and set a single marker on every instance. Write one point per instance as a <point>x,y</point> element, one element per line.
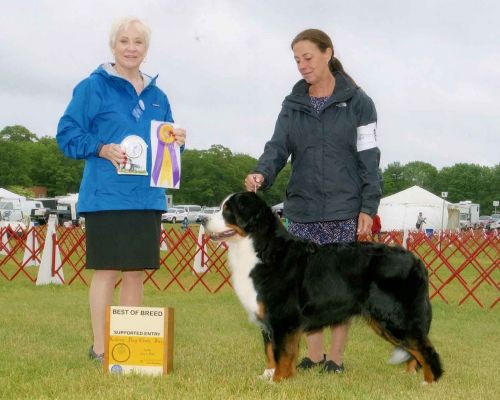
<point>444,195</point>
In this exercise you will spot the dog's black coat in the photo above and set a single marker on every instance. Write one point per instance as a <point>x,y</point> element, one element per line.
<point>303,286</point>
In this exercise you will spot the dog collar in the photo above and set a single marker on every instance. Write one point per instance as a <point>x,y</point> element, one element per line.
<point>223,235</point>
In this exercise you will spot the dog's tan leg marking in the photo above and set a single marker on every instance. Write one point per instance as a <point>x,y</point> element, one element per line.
<point>411,366</point>
<point>285,366</point>
<point>270,362</point>
<point>414,349</point>
<point>428,375</point>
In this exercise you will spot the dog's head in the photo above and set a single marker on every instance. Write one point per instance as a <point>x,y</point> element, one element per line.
<point>240,214</point>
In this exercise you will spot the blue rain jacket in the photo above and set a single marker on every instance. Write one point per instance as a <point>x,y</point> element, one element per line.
<point>103,110</point>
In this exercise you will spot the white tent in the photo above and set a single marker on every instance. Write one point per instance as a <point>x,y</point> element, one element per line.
<point>5,194</point>
<point>400,210</point>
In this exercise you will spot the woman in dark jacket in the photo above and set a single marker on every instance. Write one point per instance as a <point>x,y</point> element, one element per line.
<point>328,127</point>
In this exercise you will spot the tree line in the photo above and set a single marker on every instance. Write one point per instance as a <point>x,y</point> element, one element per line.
<point>208,176</point>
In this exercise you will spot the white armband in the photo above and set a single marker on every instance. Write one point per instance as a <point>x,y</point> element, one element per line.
<point>367,136</point>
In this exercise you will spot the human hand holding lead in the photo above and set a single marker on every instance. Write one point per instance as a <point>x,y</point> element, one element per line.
<point>365,223</point>
<point>253,182</point>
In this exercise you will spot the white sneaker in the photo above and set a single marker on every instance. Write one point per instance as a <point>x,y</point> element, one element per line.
<point>399,356</point>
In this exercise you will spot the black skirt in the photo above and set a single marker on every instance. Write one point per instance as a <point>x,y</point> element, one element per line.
<point>125,240</point>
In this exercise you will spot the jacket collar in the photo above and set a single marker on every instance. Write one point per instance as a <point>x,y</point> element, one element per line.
<point>299,98</point>
<point>108,71</point>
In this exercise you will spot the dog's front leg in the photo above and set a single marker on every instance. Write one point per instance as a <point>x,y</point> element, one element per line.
<point>268,350</point>
<point>286,348</point>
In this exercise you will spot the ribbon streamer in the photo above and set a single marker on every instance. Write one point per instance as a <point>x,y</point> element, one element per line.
<point>166,168</point>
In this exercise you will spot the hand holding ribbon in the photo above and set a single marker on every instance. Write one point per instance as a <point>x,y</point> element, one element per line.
<point>180,135</point>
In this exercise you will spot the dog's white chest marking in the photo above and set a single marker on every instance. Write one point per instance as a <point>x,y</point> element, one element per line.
<point>242,259</point>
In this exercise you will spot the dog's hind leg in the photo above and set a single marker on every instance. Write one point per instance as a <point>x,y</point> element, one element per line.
<point>411,365</point>
<point>428,358</point>
<point>421,349</point>
<point>286,348</point>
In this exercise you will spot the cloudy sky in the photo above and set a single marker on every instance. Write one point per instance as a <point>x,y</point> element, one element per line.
<point>432,67</point>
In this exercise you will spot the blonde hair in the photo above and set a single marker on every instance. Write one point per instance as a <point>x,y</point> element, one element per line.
<point>124,23</point>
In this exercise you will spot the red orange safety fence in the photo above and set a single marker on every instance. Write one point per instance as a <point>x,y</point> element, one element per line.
<point>463,266</point>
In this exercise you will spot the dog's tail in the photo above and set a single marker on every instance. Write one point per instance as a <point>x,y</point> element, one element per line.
<point>423,309</point>
<point>432,358</point>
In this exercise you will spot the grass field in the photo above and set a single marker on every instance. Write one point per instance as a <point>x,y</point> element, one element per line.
<point>45,333</point>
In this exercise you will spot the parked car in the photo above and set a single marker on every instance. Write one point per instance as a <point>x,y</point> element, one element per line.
<point>485,221</point>
<point>193,211</point>
<point>207,211</point>
<point>496,222</point>
<point>174,215</point>
<point>50,205</point>
<point>40,215</point>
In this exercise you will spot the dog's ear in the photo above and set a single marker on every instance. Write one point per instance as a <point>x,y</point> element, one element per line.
<point>249,209</point>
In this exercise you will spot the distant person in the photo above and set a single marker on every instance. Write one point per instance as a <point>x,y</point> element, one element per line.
<point>377,228</point>
<point>122,212</point>
<point>328,127</point>
<point>420,221</point>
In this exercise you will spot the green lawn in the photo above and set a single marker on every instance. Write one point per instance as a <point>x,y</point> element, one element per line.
<point>45,333</point>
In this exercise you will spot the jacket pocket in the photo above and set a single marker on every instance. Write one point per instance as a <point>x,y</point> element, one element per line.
<point>109,181</point>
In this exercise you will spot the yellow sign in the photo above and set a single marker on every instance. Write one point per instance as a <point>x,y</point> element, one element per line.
<point>139,340</point>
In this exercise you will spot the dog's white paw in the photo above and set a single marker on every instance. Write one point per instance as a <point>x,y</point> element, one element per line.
<point>267,374</point>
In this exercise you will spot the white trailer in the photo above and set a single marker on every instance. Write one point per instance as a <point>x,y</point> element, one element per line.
<point>469,214</point>
<point>18,209</point>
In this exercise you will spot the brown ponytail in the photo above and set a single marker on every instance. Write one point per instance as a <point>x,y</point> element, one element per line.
<point>335,65</point>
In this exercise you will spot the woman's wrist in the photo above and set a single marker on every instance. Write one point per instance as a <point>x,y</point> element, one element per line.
<point>98,149</point>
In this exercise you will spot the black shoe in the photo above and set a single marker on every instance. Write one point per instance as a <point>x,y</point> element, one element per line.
<point>331,366</point>
<point>307,363</point>
<point>94,356</point>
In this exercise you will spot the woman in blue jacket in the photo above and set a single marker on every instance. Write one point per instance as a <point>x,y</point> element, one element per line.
<point>328,127</point>
<point>122,212</point>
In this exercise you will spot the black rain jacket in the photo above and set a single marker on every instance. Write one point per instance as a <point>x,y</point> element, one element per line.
<point>335,158</point>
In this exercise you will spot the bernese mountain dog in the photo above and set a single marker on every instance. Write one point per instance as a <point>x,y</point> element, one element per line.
<point>290,286</point>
